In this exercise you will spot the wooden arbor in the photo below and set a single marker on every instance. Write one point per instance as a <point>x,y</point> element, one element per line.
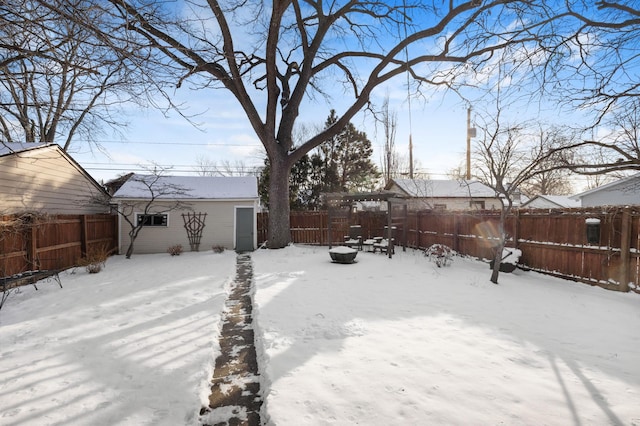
<point>340,207</point>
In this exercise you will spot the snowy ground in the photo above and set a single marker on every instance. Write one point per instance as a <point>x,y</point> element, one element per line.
<point>132,345</point>
<point>379,342</point>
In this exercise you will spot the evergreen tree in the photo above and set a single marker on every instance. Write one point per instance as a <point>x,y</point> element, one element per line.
<point>345,160</point>
<point>299,189</point>
<point>340,164</point>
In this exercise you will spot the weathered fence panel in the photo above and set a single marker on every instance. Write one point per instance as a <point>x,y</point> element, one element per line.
<point>53,242</point>
<point>551,241</point>
<point>308,228</point>
<point>13,245</point>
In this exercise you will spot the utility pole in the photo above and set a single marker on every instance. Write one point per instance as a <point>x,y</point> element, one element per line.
<point>471,133</point>
<point>410,157</point>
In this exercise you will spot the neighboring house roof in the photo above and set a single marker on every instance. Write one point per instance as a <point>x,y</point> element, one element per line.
<point>629,183</point>
<point>191,187</point>
<point>421,188</point>
<point>114,184</point>
<point>552,201</point>
<point>12,148</point>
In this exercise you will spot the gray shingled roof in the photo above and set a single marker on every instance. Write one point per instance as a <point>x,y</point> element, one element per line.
<point>444,188</point>
<point>7,148</point>
<point>192,187</point>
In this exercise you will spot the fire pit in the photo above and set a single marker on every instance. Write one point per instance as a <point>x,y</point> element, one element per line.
<point>343,254</point>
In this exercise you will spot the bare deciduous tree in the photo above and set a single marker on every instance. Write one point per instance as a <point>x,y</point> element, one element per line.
<point>594,70</point>
<point>551,180</point>
<point>507,156</point>
<point>389,122</point>
<point>603,56</point>
<point>58,81</point>
<point>618,151</point>
<point>278,58</point>
<point>207,167</point>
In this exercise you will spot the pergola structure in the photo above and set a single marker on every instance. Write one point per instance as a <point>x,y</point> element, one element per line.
<point>339,202</point>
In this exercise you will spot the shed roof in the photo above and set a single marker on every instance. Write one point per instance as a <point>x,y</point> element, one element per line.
<point>559,200</point>
<point>443,188</point>
<point>191,187</point>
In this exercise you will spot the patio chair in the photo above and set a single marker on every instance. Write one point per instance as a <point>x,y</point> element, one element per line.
<point>354,239</point>
<point>383,243</point>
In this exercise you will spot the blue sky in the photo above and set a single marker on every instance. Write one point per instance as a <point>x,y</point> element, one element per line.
<point>438,129</point>
<point>438,132</point>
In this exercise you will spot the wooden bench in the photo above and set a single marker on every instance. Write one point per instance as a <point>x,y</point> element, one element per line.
<point>31,277</point>
<point>25,278</point>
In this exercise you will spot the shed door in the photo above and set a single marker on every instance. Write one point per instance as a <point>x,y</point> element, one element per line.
<point>244,229</point>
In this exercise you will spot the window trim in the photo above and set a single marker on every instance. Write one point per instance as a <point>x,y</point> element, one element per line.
<point>164,222</point>
<point>477,204</point>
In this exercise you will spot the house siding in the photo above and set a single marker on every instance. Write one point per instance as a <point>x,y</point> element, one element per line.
<point>44,180</point>
<point>219,227</point>
<point>452,203</point>
<point>625,194</point>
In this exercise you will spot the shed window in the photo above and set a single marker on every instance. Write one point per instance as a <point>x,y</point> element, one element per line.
<point>476,204</point>
<point>152,219</point>
<point>439,206</point>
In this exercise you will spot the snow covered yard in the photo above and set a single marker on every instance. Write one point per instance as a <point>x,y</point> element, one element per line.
<point>401,341</point>
<point>132,345</point>
<point>378,342</point>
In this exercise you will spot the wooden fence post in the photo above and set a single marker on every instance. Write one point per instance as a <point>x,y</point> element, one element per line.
<point>625,249</point>
<point>329,219</point>
<point>116,234</point>
<point>418,230</point>
<point>390,235</point>
<point>83,236</point>
<point>456,233</point>
<point>405,225</point>
<point>516,228</point>
<point>32,245</point>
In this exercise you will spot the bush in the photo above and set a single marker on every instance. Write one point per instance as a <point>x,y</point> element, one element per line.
<point>440,254</point>
<point>95,260</point>
<point>175,250</point>
<point>217,249</point>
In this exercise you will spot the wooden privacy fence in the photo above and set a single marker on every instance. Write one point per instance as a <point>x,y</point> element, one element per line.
<point>551,241</point>
<point>31,242</point>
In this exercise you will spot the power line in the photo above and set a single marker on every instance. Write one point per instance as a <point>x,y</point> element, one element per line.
<point>187,169</point>
<point>204,144</point>
<point>182,168</point>
<point>199,166</point>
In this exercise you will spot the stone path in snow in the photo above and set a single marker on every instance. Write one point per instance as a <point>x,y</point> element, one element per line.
<point>235,391</point>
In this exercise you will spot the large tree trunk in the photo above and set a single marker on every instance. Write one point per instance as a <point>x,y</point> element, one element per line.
<point>502,235</point>
<point>497,260</point>
<point>279,209</point>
